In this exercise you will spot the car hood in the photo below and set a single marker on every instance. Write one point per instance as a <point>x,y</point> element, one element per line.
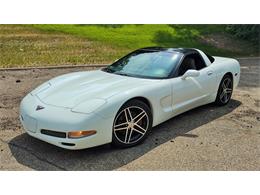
<point>72,89</point>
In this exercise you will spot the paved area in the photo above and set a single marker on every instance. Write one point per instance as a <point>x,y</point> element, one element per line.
<point>206,138</point>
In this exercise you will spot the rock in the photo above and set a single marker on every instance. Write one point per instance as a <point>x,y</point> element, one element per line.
<point>18,81</point>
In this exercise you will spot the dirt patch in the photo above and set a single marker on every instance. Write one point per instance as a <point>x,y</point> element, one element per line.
<point>225,41</point>
<point>257,103</point>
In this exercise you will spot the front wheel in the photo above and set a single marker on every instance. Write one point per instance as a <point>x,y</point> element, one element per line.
<point>132,124</point>
<point>225,91</point>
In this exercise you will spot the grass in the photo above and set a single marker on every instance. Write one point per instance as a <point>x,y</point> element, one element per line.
<point>23,46</point>
<point>137,36</point>
<point>41,45</point>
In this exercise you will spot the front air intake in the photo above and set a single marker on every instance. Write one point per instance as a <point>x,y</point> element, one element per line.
<point>53,133</point>
<point>67,144</point>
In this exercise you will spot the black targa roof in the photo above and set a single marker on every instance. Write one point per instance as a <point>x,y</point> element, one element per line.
<point>179,50</point>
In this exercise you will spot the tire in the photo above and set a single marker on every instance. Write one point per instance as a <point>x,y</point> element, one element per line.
<point>225,90</point>
<point>132,124</point>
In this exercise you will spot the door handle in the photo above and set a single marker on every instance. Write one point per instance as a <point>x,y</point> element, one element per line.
<point>209,73</point>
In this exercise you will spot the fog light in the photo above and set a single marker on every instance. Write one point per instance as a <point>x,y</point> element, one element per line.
<point>80,134</point>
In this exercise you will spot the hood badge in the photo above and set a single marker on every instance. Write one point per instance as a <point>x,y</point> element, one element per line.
<point>39,107</point>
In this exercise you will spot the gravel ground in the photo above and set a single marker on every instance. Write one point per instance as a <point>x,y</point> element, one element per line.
<point>206,138</point>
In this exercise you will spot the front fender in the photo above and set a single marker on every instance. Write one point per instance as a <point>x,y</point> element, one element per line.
<point>159,95</point>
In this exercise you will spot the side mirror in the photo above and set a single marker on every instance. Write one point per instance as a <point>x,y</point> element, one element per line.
<point>190,73</point>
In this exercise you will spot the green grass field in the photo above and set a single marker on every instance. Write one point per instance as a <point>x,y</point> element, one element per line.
<point>45,45</point>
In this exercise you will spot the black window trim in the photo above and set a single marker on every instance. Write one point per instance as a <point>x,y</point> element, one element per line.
<point>210,57</point>
<point>175,73</point>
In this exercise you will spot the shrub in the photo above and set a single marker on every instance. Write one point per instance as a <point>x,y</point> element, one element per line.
<point>245,31</point>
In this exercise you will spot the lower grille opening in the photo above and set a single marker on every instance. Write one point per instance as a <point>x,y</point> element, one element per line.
<point>67,144</point>
<point>53,133</point>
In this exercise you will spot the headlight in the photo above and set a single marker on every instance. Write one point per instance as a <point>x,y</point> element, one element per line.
<point>89,106</point>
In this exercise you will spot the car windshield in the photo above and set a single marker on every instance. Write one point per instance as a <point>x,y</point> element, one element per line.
<point>146,64</point>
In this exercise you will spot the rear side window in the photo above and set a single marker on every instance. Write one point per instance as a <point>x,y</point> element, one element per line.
<point>191,61</point>
<point>199,62</point>
<point>211,59</point>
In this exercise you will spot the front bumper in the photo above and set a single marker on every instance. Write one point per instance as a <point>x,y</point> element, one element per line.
<point>63,120</point>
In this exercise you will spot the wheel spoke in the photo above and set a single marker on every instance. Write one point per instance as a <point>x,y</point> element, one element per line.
<point>138,131</point>
<point>119,129</point>
<point>138,115</point>
<point>142,114</point>
<point>128,113</point>
<point>121,124</point>
<point>129,137</point>
<point>224,86</point>
<point>126,117</point>
<point>140,127</point>
<point>227,82</point>
<point>228,90</point>
<point>222,94</point>
<point>126,133</point>
<point>225,97</point>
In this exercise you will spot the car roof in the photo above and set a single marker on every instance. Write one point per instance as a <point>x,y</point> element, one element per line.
<point>172,50</point>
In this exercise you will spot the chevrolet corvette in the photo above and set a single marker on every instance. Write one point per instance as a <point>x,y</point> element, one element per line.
<point>121,103</point>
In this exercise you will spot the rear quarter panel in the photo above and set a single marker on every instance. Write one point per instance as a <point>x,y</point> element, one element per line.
<point>223,65</point>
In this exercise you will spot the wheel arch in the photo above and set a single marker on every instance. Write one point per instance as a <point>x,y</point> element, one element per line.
<point>142,99</point>
<point>230,74</point>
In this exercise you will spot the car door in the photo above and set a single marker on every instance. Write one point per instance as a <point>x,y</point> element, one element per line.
<point>193,91</point>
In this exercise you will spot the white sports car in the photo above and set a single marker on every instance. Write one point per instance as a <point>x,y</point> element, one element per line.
<point>122,102</point>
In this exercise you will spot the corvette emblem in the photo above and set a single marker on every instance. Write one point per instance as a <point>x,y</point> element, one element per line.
<point>39,108</point>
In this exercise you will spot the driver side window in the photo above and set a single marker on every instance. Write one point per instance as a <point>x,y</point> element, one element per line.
<point>191,62</point>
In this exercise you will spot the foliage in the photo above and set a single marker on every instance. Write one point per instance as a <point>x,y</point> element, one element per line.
<point>245,31</point>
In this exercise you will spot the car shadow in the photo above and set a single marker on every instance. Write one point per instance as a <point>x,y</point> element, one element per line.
<point>39,155</point>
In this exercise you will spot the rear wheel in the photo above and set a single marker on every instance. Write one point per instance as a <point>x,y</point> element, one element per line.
<point>225,91</point>
<point>132,124</point>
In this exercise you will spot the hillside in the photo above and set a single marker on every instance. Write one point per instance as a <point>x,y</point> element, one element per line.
<point>45,45</point>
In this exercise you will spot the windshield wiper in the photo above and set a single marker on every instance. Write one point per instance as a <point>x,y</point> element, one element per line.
<point>107,70</point>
